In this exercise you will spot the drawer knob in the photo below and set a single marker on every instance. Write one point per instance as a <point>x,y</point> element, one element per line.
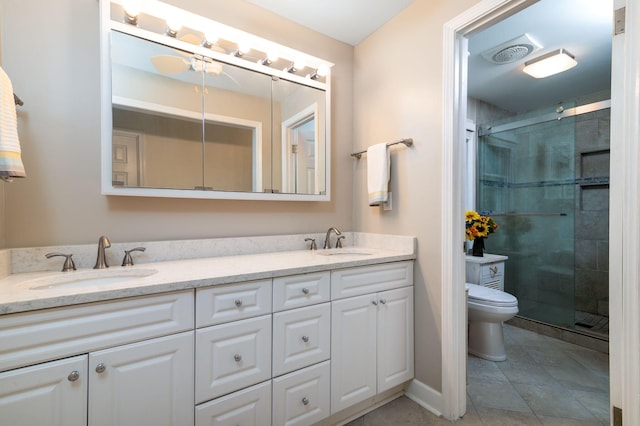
<point>238,302</point>
<point>305,339</point>
<point>305,400</point>
<point>100,368</point>
<point>237,358</point>
<point>73,376</point>
<point>305,290</point>
<point>383,301</point>
<point>374,302</point>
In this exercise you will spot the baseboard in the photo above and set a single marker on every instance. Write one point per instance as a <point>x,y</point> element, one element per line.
<point>425,396</point>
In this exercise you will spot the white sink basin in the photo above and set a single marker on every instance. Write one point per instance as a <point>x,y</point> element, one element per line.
<point>87,278</point>
<point>351,251</point>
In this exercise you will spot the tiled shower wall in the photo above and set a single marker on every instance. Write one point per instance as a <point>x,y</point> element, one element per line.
<point>592,213</point>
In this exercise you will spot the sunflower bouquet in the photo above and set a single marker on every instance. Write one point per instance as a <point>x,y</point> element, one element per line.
<point>478,225</point>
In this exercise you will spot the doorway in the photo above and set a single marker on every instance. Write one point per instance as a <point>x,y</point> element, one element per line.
<point>624,195</point>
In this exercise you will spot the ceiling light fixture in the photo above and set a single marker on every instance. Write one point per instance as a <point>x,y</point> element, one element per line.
<point>549,64</point>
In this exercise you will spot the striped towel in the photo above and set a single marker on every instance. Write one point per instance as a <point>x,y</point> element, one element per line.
<point>10,161</point>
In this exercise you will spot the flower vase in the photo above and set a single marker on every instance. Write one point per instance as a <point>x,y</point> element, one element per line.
<point>478,247</point>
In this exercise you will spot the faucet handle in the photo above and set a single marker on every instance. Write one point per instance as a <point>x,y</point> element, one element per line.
<point>68,265</point>
<point>128,260</point>
<point>339,241</point>
<point>313,245</point>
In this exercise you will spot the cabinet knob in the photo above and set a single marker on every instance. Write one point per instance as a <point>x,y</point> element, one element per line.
<point>305,339</point>
<point>237,358</point>
<point>305,290</point>
<point>374,302</point>
<point>383,301</point>
<point>73,376</point>
<point>238,302</point>
<point>305,400</point>
<point>100,368</point>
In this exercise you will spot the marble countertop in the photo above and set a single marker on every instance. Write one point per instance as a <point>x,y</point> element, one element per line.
<point>17,294</point>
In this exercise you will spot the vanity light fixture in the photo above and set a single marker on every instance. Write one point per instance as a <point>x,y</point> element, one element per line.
<point>269,59</point>
<point>550,63</point>
<point>131,11</point>
<point>320,72</point>
<point>297,65</point>
<point>173,26</point>
<point>243,48</point>
<point>209,39</point>
<point>215,36</point>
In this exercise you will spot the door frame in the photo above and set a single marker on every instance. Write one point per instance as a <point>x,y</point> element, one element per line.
<point>288,127</point>
<point>625,201</point>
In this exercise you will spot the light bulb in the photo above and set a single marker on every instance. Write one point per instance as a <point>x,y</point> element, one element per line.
<point>323,70</point>
<point>273,56</point>
<point>298,64</point>
<point>173,26</point>
<point>131,11</point>
<point>243,47</point>
<point>210,37</point>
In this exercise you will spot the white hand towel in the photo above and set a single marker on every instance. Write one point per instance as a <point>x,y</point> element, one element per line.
<point>378,168</point>
<point>10,160</point>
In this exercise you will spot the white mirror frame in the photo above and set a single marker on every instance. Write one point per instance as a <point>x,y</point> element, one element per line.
<point>107,25</point>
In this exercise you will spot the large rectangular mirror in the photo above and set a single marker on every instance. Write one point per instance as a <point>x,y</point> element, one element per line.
<point>187,124</point>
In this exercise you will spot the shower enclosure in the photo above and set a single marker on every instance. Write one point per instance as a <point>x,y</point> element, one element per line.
<point>544,176</point>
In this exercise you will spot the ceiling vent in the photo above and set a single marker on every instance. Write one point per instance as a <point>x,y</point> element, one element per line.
<point>512,50</point>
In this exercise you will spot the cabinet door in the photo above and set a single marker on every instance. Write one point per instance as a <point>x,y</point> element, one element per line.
<point>232,356</point>
<point>247,407</point>
<point>353,351</point>
<point>144,383</point>
<point>302,398</point>
<point>301,337</point>
<point>50,394</point>
<point>395,337</point>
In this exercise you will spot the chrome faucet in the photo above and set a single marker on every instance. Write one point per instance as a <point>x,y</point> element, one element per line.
<point>327,238</point>
<point>101,260</point>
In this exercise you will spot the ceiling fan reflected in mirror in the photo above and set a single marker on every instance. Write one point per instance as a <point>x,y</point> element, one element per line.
<point>177,64</point>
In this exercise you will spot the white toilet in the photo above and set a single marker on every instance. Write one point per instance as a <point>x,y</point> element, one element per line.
<point>487,308</point>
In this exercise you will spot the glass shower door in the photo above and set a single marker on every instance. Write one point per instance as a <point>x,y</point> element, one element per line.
<point>526,179</point>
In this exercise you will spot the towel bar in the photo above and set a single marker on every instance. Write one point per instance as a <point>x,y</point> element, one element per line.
<point>407,142</point>
<point>17,100</point>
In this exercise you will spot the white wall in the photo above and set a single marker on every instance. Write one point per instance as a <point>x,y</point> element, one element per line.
<point>398,94</point>
<point>51,52</point>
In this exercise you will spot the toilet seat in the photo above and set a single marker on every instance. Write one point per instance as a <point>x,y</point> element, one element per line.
<point>490,297</point>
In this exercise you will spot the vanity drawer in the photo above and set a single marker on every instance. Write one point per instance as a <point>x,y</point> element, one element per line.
<point>301,337</point>
<point>302,397</point>
<point>32,337</point>
<point>301,290</point>
<point>370,279</point>
<point>232,356</point>
<point>220,304</point>
<point>248,407</point>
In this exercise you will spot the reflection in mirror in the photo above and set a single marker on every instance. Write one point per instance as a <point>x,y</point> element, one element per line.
<point>299,138</point>
<point>187,123</point>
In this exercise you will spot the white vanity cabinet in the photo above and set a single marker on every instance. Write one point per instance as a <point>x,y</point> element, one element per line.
<point>130,362</point>
<point>487,271</point>
<point>371,334</point>
<point>53,393</point>
<point>148,382</point>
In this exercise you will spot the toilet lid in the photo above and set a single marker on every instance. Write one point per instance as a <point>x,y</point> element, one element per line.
<point>490,296</point>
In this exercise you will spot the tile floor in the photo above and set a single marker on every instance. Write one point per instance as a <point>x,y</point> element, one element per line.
<point>544,381</point>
